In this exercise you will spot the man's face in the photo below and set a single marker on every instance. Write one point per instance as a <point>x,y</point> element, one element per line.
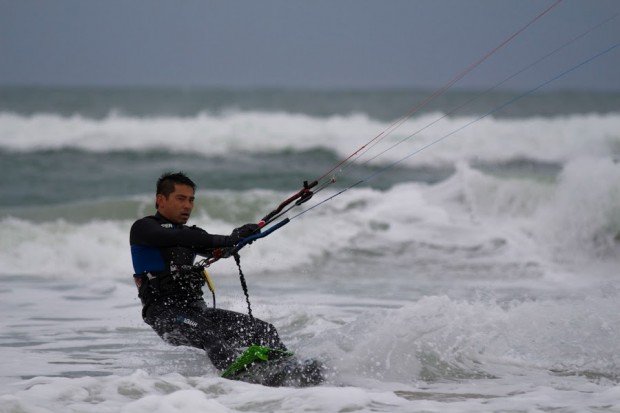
<point>177,207</point>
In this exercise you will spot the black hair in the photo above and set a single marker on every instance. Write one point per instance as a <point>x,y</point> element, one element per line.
<point>166,182</point>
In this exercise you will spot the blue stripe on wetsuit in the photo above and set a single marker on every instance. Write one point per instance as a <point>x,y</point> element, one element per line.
<point>146,259</point>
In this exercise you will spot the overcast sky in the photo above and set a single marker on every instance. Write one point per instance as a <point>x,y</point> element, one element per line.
<point>303,44</point>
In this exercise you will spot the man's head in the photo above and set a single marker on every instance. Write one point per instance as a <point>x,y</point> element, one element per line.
<point>175,197</point>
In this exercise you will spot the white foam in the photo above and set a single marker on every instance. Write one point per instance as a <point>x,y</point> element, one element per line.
<point>470,215</point>
<point>59,249</point>
<point>371,357</point>
<point>550,139</point>
<point>583,216</point>
<point>441,338</point>
<point>472,218</point>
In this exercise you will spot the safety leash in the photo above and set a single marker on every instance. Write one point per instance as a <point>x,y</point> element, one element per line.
<point>243,284</point>
<point>224,253</point>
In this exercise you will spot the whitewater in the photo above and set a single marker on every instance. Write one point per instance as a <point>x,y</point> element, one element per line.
<point>479,275</point>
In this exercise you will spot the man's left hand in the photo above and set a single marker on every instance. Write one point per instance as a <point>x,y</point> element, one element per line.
<point>244,231</point>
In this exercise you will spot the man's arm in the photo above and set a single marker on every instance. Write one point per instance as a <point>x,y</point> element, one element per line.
<point>148,231</point>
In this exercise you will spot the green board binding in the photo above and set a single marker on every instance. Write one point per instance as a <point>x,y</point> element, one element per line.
<point>254,353</point>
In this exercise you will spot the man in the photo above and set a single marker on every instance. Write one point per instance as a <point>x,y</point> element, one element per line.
<point>163,250</point>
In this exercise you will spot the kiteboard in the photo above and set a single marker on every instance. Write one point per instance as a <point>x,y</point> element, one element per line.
<point>274,368</point>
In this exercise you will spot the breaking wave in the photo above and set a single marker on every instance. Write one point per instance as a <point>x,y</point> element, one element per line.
<point>557,139</point>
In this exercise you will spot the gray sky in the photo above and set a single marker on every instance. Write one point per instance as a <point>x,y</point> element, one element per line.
<point>302,44</point>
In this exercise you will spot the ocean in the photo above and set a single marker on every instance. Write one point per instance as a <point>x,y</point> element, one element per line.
<point>478,274</point>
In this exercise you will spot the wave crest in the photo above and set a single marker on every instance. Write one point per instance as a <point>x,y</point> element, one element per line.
<point>546,139</point>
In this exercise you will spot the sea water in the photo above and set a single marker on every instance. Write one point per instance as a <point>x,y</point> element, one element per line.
<point>480,274</point>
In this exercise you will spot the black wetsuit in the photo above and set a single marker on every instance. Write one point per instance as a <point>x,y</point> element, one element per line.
<point>170,288</point>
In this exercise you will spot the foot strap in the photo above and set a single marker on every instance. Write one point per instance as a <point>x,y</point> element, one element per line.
<point>253,354</point>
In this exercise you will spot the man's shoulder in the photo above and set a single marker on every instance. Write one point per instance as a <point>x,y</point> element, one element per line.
<point>148,218</point>
<point>142,229</point>
<point>155,220</point>
<point>145,221</point>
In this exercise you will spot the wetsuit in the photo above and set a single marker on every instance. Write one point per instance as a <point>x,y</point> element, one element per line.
<point>170,288</point>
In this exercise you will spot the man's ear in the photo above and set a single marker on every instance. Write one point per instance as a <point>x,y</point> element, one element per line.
<point>158,199</point>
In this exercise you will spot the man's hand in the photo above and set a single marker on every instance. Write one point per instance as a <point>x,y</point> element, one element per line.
<point>244,231</point>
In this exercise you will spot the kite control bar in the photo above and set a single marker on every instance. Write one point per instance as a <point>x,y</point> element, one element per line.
<point>303,195</point>
<point>263,234</point>
<point>227,252</point>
